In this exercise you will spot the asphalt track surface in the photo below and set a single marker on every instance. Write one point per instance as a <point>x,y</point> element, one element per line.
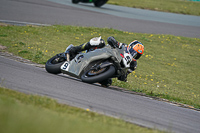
<point>138,109</point>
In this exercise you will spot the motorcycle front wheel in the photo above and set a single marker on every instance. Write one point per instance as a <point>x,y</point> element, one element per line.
<point>93,76</point>
<point>53,65</point>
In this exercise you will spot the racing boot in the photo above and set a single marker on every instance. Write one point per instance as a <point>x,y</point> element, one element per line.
<point>72,51</point>
<point>106,83</point>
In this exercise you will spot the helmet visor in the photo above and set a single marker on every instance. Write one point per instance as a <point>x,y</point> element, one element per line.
<point>134,53</point>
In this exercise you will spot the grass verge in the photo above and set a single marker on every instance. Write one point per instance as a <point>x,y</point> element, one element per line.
<point>168,69</point>
<point>174,6</point>
<point>21,113</point>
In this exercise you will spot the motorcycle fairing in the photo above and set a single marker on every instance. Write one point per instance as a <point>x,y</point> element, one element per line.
<point>76,66</point>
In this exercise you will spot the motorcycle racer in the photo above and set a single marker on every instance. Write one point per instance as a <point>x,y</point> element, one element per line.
<point>135,49</point>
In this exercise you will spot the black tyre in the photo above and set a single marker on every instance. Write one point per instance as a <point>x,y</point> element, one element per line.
<point>53,65</point>
<point>100,3</point>
<point>93,76</point>
<point>75,1</point>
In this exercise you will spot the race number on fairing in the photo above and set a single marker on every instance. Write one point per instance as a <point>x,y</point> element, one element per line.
<point>127,59</point>
<point>65,66</point>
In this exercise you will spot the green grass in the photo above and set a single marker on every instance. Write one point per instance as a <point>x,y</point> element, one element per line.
<point>168,69</point>
<point>174,6</point>
<point>21,113</point>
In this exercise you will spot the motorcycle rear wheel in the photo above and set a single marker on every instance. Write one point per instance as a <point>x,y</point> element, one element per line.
<point>93,76</point>
<point>100,3</point>
<point>53,65</point>
<point>75,1</point>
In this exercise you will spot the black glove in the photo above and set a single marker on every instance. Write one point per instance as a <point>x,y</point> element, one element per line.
<point>123,77</point>
<point>133,65</point>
